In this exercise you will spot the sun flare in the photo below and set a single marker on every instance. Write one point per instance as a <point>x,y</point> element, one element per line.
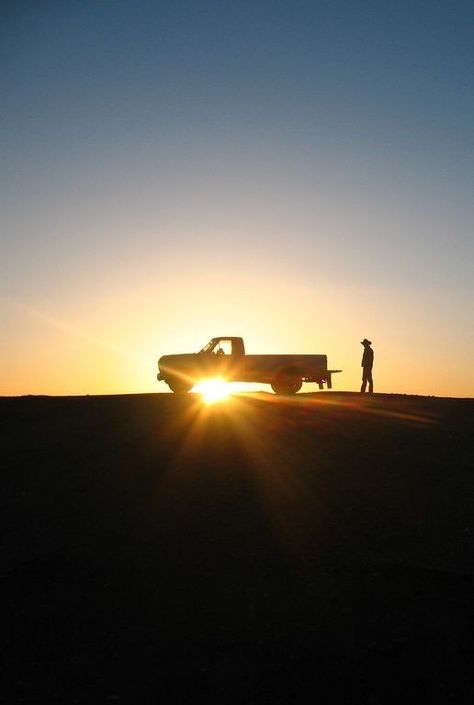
<point>213,390</point>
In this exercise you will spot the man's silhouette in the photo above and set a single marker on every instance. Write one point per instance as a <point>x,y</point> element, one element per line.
<point>367,364</point>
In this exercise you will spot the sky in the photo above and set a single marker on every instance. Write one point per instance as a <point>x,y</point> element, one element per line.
<point>297,173</point>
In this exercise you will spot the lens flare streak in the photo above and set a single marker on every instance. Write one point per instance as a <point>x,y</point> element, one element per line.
<point>213,390</point>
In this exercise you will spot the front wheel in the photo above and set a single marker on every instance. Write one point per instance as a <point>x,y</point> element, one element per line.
<point>178,385</point>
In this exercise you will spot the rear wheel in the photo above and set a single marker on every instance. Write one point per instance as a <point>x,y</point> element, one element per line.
<point>178,385</point>
<point>287,383</point>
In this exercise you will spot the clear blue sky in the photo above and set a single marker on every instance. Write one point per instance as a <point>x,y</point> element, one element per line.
<point>155,155</point>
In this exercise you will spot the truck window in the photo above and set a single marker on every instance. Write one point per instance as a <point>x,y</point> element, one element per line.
<point>224,347</point>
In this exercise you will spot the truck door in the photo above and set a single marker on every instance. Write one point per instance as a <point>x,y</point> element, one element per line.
<point>229,358</point>
<point>223,353</point>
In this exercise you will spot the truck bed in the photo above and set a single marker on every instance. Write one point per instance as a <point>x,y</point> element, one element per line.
<point>263,367</point>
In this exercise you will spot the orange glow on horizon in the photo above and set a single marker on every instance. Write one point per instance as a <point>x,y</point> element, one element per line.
<point>110,345</point>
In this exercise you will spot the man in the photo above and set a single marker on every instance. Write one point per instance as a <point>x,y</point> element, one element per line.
<point>367,364</point>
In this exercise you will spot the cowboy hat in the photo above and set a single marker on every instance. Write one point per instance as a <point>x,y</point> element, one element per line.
<point>366,342</point>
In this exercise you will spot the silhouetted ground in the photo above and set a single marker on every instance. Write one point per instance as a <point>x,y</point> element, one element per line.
<point>158,550</point>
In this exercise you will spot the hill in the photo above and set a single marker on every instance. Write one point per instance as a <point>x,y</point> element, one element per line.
<point>244,552</point>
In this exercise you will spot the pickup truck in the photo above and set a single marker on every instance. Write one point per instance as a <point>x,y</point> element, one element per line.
<point>225,357</point>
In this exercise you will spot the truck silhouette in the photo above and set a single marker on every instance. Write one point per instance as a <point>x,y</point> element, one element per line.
<point>225,357</point>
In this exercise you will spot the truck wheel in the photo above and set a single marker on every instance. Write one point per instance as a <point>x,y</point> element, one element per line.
<point>287,384</point>
<point>179,386</point>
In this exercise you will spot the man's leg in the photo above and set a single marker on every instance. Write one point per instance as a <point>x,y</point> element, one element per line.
<point>371,382</point>
<point>364,381</point>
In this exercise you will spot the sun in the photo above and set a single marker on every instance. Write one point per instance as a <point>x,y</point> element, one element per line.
<point>212,390</point>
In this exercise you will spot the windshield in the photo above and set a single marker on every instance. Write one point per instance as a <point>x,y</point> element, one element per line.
<point>209,346</point>
<point>218,346</point>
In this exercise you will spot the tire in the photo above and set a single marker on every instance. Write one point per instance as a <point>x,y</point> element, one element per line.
<point>287,383</point>
<point>178,386</point>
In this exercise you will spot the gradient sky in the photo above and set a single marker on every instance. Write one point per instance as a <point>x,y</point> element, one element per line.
<point>298,173</point>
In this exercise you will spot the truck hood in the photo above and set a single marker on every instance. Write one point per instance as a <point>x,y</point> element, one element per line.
<point>171,361</point>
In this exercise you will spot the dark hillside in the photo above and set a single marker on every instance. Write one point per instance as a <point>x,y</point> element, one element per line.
<point>154,548</point>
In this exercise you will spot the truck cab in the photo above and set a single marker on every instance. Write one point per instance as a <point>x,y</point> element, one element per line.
<point>225,346</point>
